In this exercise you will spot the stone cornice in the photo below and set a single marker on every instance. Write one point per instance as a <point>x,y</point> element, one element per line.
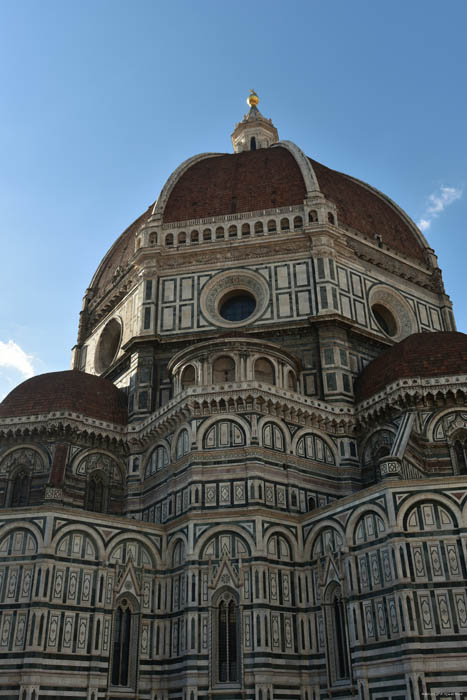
<point>58,423</point>
<point>250,395</point>
<point>410,390</point>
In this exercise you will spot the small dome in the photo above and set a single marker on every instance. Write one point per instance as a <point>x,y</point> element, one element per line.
<point>419,355</point>
<point>71,390</point>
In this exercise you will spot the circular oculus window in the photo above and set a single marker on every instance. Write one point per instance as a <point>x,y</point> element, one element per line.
<point>234,298</point>
<point>385,319</point>
<point>237,306</point>
<point>108,345</point>
<point>391,313</point>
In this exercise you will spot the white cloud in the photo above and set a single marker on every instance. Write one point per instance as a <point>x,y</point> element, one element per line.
<point>424,224</point>
<point>14,357</point>
<point>437,203</point>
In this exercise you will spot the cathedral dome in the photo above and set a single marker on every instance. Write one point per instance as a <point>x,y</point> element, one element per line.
<point>420,355</point>
<point>225,185</point>
<point>71,390</point>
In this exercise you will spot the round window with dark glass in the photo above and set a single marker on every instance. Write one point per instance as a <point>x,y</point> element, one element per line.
<point>385,319</point>
<point>237,306</point>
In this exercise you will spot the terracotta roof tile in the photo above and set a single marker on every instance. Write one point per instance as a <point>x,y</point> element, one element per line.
<point>264,179</point>
<point>236,182</point>
<point>367,211</point>
<point>419,355</point>
<point>79,392</point>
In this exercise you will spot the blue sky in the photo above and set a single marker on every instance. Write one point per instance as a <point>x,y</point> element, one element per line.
<point>101,100</point>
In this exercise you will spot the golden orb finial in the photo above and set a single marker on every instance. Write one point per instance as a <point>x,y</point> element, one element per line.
<point>253,99</point>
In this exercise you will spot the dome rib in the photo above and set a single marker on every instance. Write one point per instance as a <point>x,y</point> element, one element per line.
<point>237,182</point>
<point>364,209</point>
<point>161,201</point>
<point>212,184</point>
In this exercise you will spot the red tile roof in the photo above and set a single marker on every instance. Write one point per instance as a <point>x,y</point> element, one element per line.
<point>419,355</point>
<point>74,391</point>
<point>236,182</point>
<point>367,211</point>
<point>119,254</point>
<point>264,179</point>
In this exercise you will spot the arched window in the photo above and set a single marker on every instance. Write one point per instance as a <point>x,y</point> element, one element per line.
<point>232,231</point>
<point>183,444</point>
<point>246,230</point>
<point>169,240</point>
<point>178,556</point>
<point>291,381</point>
<point>159,459</point>
<point>285,225</point>
<point>271,226</point>
<point>227,641</point>
<point>253,144</point>
<point>264,371</point>
<point>328,540</point>
<point>279,548</point>
<point>259,227</point>
<point>123,649</point>
<point>330,217</point>
<point>182,238</point>
<point>20,489</point>
<point>219,232</point>
<point>223,370</point>
<point>96,493</point>
<point>188,377</point>
<point>207,235</point>
<point>313,216</point>
<point>224,434</point>
<point>313,447</point>
<point>297,222</point>
<point>273,437</point>
<point>194,236</point>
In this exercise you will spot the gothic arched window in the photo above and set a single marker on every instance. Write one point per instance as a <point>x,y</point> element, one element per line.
<point>96,493</point>
<point>20,489</point>
<point>122,645</point>
<point>227,641</point>
<point>341,653</point>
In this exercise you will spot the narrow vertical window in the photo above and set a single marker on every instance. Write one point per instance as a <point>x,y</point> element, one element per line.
<point>32,629</point>
<point>227,633</point>
<point>233,672</point>
<point>460,454</point>
<point>223,642</point>
<point>20,490</point>
<point>147,317</point>
<point>342,660</point>
<point>121,648</point>
<point>148,290</point>
<point>95,494</point>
